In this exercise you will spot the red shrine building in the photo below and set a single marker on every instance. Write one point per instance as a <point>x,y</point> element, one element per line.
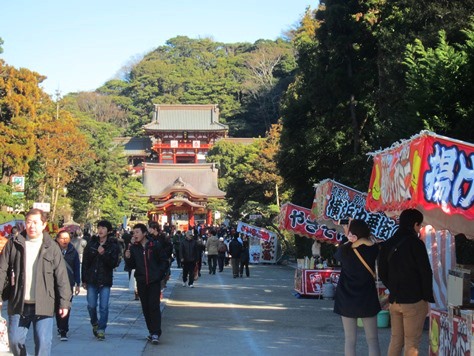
<point>172,160</point>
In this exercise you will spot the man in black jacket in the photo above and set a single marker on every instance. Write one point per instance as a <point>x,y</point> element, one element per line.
<point>189,256</point>
<point>235,251</point>
<point>150,262</point>
<point>101,256</point>
<point>405,270</point>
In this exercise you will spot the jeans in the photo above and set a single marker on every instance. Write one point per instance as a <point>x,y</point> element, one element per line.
<point>19,325</point>
<point>102,294</point>
<point>350,335</point>
<point>212,262</point>
<point>407,327</point>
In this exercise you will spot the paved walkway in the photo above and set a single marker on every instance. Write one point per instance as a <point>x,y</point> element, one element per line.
<point>259,315</point>
<point>126,331</point>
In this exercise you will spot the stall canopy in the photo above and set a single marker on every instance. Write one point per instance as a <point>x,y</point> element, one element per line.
<point>334,201</point>
<point>432,173</point>
<point>263,247</point>
<point>298,220</point>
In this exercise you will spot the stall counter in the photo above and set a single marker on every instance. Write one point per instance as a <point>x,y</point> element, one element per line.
<point>451,334</point>
<point>309,282</point>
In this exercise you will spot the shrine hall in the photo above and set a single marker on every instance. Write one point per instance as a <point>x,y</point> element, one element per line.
<point>171,157</point>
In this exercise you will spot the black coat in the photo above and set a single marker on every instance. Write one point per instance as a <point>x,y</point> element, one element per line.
<point>150,262</point>
<point>408,275</point>
<point>245,256</point>
<point>356,293</point>
<point>71,257</point>
<point>98,269</point>
<point>235,248</point>
<point>189,250</point>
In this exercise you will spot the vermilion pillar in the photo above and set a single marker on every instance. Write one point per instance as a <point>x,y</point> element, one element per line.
<point>191,216</point>
<point>209,217</point>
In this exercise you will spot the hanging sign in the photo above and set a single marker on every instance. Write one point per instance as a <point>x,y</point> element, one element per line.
<point>432,173</point>
<point>298,220</point>
<point>335,201</point>
<point>266,241</point>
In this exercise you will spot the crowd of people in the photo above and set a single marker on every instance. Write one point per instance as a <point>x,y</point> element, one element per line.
<point>73,259</point>
<point>41,275</point>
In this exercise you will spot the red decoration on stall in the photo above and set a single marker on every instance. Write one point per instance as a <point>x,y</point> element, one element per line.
<point>432,173</point>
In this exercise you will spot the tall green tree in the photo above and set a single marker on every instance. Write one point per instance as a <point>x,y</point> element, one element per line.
<point>233,162</point>
<point>329,114</point>
<point>440,84</point>
<point>401,22</point>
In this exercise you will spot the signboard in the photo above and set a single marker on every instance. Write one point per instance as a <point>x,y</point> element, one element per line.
<point>18,183</point>
<point>174,143</point>
<point>298,220</point>
<point>310,281</point>
<point>6,228</point>
<point>263,243</point>
<point>450,335</point>
<point>43,206</point>
<point>196,144</point>
<point>432,173</point>
<point>255,231</point>
<point>335,201</point>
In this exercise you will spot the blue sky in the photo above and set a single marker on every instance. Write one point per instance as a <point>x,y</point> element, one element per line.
<point>79,45</point>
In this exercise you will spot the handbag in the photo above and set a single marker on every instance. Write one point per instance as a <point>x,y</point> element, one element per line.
<point>364,263</point>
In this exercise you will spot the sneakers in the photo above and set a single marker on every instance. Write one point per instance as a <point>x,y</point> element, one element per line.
<point>184,284</point>
<point>148,338</point>
<point>63,336</point>
<point>100,335</point>
<point>191,286</point>
<point>155,339</point>
<point>94,329</point>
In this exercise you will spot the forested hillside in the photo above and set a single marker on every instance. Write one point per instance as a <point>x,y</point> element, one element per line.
<point>246,81</point>
<point>353,77</point>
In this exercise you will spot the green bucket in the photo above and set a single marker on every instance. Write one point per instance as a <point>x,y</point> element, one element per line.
<point>383,319</point>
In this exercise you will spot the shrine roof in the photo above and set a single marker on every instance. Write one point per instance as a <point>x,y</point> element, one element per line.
<point>186,117</point>
<point>134,146</point>
<point>199,180</point>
